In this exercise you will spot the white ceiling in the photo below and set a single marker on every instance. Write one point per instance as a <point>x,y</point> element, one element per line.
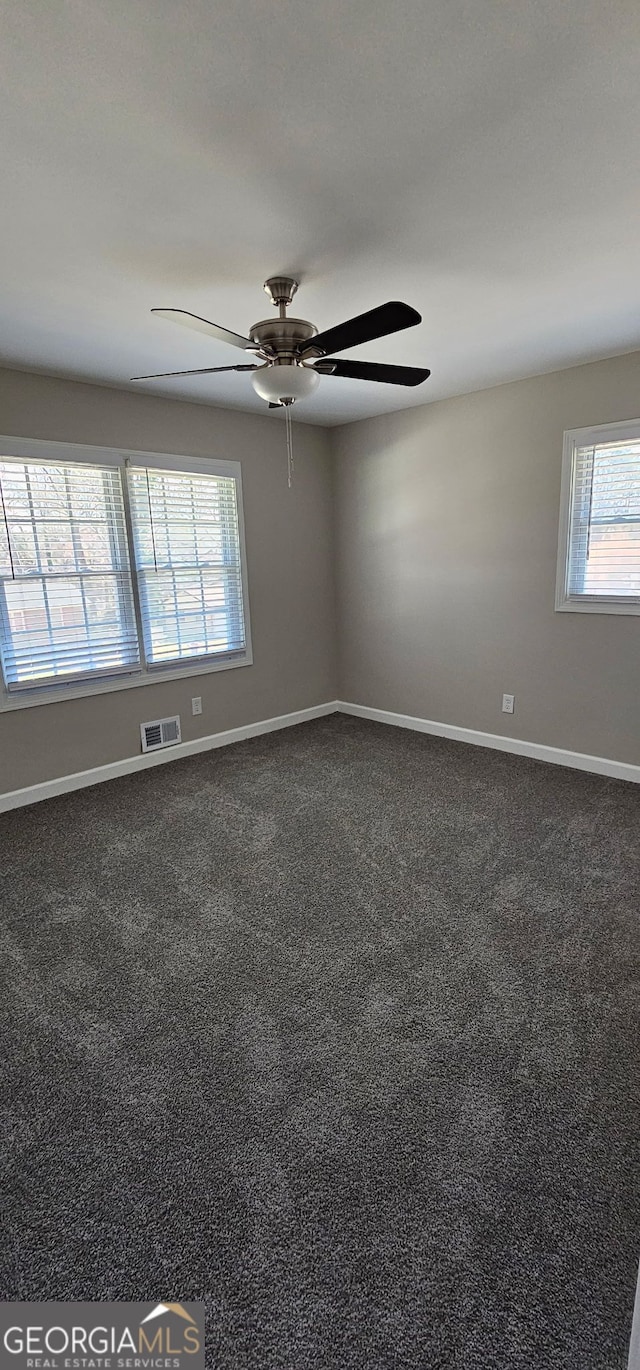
<point>476,158</point>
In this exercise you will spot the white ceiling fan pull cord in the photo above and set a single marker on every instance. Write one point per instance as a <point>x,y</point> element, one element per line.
<point>289,432</point>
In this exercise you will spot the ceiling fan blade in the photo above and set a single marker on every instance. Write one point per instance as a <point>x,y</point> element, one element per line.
<point>276,406</point>
<point>203,371</point>
<point>376,323</point>
<point>372,371</point>
<point>213,330</point>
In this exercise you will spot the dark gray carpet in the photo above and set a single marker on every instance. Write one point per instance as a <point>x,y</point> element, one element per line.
<point>335,1030</point>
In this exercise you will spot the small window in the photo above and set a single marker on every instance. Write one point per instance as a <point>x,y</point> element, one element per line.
<point>599,551</point>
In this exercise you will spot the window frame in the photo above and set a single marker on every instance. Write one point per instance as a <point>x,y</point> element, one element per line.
<point>36,449</point>
<point>574,438</point>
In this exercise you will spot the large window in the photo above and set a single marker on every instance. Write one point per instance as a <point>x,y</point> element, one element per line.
<point>116,568</point>
<point>599,553</point>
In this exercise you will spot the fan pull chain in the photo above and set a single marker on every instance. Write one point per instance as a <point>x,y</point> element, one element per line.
<point>289,432</point>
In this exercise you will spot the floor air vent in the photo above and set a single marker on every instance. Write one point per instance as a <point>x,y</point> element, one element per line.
<point>163,732</point>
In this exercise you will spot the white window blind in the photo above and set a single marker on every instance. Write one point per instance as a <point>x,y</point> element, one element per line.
<point>188,564</point>
<point>66,602</point>
<point>600,564</point>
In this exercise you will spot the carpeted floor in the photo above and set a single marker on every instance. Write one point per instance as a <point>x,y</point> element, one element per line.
<point>337,1030</point>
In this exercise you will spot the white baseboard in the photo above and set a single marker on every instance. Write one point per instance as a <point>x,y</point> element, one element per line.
<point>599,765</point>
<point>539,751</point>
<point>32,794</point>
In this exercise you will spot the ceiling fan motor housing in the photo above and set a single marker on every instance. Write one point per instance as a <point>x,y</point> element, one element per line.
<point>282,337</point>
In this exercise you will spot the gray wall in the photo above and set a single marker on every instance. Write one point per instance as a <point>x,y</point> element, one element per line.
<point>290,563</point>
<point>447,529</point>
<point>446,522</point>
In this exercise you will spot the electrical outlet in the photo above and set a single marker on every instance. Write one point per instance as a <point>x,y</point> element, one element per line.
<point>196,705</point>
<point>508,704</point>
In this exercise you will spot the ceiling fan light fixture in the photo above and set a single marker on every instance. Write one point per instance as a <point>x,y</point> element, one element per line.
<point>278,383</point>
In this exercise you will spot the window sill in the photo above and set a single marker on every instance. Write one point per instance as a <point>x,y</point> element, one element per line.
<point>155,676</point>
<point>598,606</point>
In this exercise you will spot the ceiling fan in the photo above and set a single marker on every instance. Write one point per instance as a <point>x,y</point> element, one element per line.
<point>291,355</point>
